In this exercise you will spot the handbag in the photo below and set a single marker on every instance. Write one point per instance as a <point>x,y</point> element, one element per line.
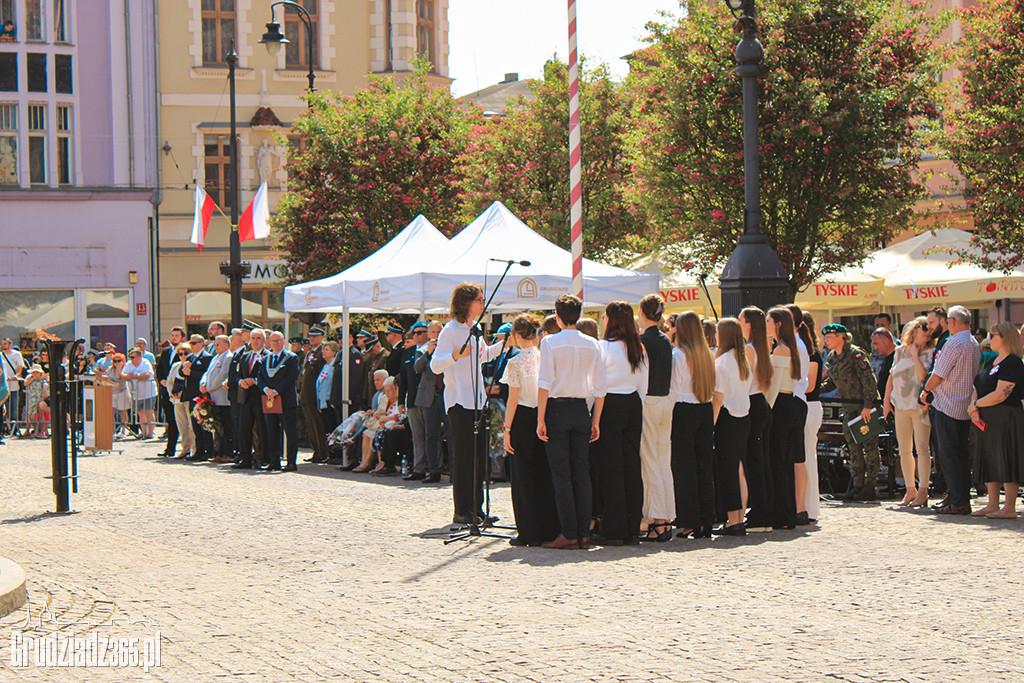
<point>272,406</point>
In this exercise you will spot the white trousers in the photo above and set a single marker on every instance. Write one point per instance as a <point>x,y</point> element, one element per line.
<point>811,427</point>
<point>656,458</point>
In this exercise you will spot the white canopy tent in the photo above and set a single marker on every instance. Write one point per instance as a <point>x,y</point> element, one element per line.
<point>390,280</point>
<point>498,234</point>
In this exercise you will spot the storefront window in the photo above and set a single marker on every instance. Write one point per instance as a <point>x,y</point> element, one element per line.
<point>26,315</point>
<point>107,303</point>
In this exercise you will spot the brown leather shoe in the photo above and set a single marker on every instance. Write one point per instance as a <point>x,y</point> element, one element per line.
<point>584,544</point>
<point>563,543</point>
<point>954,510</point>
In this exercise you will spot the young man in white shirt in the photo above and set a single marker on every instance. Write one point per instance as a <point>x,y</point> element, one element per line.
<point>463,394</point>
<point>571,370</point>
<point>14,370</point>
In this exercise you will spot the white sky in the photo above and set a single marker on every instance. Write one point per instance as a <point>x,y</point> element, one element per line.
<point>491,37</point>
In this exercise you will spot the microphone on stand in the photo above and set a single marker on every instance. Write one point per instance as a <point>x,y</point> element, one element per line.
<point>510,261</point>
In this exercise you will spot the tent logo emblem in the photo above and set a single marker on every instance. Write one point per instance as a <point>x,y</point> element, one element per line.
<point>376,291</point>
<point>309,298</point>
<point>526,289</point>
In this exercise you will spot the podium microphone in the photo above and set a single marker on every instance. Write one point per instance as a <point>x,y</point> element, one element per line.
<point>510,261</point>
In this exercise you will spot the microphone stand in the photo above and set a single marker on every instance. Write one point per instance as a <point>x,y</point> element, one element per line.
<point>475,528</point>
<point>704,285</point>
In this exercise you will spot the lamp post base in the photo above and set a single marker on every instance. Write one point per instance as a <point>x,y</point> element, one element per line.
<point>753,276</point>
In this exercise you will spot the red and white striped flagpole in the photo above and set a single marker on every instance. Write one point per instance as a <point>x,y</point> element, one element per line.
<point>575,159</point>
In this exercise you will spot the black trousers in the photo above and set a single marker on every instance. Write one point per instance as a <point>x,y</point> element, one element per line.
<point>315,432</point>
<point>278,424</point>
<point>251,423</point>
<point>786,446</point>
<point>755,464</point>
<point>226,440</point>
<point>693,440</point>
<point>730,443</point>
<point>236,426</point>
<point>167,408</point>
<point>397,442</point>
<point>329,419</point>
<point>568,449</point>
<point>615,458</point>
<point>533,495</point>
<point>467,490</point>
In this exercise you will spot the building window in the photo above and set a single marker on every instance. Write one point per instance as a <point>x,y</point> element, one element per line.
<point>217,162</point>
<point>425,30</point>
<point>63,144</point>
<point>7,14</point>
<point>296,52</point>
<point>218,30</point>
<point>8,144</point>
<point>60,23</point>
<point>62,74</point>
<point>8,72</point>
<point>33,19</point>
<point>36,72</point>
<point>37,144</point>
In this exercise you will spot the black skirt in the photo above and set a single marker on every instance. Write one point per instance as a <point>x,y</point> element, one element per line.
<point>999,450</point>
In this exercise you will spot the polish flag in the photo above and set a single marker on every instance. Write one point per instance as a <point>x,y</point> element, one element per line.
<point>254,223</point>
<point>201,221</point>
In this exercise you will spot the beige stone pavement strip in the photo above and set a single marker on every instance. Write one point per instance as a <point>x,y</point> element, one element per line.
<point>324,575</point>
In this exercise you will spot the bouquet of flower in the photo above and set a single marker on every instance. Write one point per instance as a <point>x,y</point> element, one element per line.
<point>205,413</point>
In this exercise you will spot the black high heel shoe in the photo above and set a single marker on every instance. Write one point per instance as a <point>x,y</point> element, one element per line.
<point>662,533</point>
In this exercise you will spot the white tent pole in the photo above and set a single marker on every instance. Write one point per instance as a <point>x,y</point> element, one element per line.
<point>345,367</point>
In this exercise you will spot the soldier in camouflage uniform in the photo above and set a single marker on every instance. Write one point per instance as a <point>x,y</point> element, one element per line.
<point>848,369</point>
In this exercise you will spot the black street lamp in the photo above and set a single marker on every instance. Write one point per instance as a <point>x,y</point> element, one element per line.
<point>235,269</point>
<point>274,39</point>
<point>753,275</point>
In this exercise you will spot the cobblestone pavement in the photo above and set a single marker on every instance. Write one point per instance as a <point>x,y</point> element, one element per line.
<point>329,575</point>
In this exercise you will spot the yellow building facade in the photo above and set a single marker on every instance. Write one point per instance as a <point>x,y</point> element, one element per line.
<point>352,39</point>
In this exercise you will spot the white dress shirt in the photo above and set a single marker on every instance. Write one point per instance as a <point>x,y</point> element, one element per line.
<point>619,376</point>
<point>681,389</point>
<point>459,374</point>
<point>578,360</point>
<point>735,391</point>
<point>522,372</point>
<point>800,385</point>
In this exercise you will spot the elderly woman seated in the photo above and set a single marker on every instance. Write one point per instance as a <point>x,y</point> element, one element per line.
<point>379,406</point>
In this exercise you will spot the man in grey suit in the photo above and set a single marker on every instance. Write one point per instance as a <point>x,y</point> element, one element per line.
<point>431,403</point>
<point>212,383</point>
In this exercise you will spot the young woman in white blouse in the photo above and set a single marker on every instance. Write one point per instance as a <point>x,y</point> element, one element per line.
<point>533,497</point>
<point>786,441</point>
<point>693,428</point>
<point>755,465</point>
<point>615,456</point>
<point>731,403</point>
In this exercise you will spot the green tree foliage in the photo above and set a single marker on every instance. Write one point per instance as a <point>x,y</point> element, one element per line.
<point>369,164</point>
<point>985,132</point>
<point>845,85</point>
<point>522,159</point>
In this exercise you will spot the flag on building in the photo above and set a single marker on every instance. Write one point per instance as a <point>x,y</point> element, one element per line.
<point>201,220</point>
<point>255,221</point>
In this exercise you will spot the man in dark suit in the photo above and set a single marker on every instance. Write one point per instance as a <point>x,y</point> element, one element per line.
<point>408,387</point>
<point>252,426</point>
<point>193,368</point>
<point>163,367</point>
<point>278,376</point>
<point>237,349</point>
<point>430,400</point>
<point>311,368</point>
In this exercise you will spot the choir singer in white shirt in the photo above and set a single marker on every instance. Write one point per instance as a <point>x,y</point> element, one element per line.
<point>463,395</point>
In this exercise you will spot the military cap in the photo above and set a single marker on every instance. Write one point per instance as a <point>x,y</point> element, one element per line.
<point>315,331</point>
<point>395,328</point>
<point>834,328</point>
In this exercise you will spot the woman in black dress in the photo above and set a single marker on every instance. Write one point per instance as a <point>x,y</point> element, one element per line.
<point>999,422</point>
